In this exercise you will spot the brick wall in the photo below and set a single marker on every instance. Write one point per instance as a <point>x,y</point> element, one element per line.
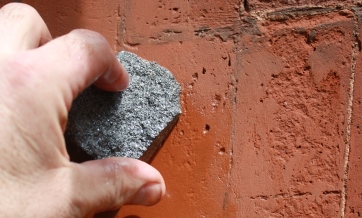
<point>271,101</point>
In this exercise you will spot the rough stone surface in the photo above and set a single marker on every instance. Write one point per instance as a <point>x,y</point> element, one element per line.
<point>128,123</point>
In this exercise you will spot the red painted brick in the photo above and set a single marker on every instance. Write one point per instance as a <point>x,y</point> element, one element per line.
<point>64,16</point>
<point>290,119</point>
<point>163,21</point>
<point>154,21</point>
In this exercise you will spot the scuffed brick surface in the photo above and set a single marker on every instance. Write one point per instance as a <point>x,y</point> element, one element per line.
<point>265,101</point>
<point>290,118</point>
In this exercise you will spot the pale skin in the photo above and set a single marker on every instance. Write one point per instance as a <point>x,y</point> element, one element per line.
<point>39,79</point>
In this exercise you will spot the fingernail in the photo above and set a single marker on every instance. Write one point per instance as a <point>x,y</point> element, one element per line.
<point>124,82</point>
<point>109,76</point>
<point>148,194</point>
<point>119,81</point>
<point>125,79</point>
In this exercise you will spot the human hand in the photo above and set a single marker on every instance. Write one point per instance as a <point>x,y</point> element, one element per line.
<point>39,78</point>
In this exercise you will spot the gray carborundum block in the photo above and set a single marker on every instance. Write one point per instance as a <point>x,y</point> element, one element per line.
<point>133,123</point>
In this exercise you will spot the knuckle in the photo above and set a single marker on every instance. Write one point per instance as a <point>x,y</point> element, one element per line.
<point>82,36</point>
<point>113,170</point>
<point>87,33</point>
<point>19,11</point>
<point>86,42</point>
<point>117,171</point>
<point>89,48</point>
<point>113,173</point>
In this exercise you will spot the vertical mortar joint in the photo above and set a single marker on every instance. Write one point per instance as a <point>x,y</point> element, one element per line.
<point>356,47</point>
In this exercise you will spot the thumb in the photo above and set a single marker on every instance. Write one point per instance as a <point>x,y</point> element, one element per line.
<point>108,184</point>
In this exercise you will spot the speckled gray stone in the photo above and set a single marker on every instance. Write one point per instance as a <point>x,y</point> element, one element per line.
<point>133,123</point>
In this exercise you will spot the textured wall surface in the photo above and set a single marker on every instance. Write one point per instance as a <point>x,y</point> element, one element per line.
<point>271,101</point>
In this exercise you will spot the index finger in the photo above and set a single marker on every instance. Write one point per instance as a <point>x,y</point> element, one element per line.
<point>74,61</point>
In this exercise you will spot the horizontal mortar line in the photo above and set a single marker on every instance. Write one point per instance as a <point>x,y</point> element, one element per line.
<point>281,195</point>
<point>332,192</point>
<point>298,11</point>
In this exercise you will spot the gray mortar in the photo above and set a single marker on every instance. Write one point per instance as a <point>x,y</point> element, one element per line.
<point>133,123</point>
